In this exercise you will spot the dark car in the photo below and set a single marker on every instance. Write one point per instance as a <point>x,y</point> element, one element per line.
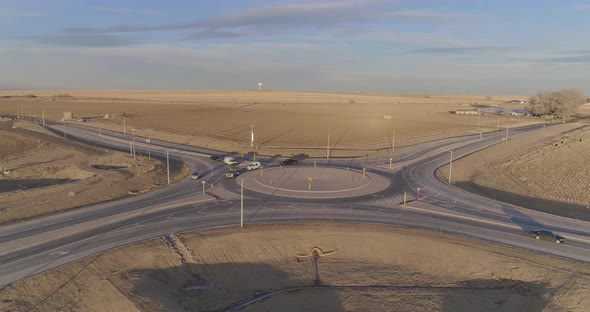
<point>216,157</point>
<point>233,173</point>
<point>289,162</point>
<point>548,235</point>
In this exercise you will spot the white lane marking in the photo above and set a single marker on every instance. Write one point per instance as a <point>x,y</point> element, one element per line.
<point>103,224</point>
<point>514,227</point>
<point>59,252</point>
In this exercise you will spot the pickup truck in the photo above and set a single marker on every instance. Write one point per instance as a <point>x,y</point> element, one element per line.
<point>230,161</point>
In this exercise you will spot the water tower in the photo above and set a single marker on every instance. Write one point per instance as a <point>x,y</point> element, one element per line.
<point>260,86</point>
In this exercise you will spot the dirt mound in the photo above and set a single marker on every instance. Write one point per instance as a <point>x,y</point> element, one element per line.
<point>308,267</point>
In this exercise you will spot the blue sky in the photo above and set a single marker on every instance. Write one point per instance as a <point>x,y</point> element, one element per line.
<point>392,46</point>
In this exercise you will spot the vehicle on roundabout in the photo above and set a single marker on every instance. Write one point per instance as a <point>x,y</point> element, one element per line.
<point>254,165</point>
<point>233,173</point>
<point>289,162</point>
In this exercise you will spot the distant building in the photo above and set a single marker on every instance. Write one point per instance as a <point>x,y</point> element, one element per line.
<point>466,112</point>
<point>516,102</point>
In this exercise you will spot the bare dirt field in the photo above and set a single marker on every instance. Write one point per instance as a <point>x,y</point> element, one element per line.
<point>46,174</point>
<point>284,122</point>
<point>543,170</point>
<point>308,267</point>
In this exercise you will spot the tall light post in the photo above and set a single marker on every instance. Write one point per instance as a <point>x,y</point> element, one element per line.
<point>251,137</point>
<point>393,141</point>
<point>506,134</point>
<point>124,127</point>
<point>43,117</point>
<point>203,182</point>
<point>133,141</point>
<point>328,148</point>
<point>450,167</point>
<point>65,135</point>
<point>242,204</point>
<point>168,165</point>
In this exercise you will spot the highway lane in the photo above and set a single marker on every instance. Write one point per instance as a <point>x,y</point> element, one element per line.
<point>180,207</point>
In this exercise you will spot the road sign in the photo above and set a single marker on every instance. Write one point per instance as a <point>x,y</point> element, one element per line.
<point>309,179</point>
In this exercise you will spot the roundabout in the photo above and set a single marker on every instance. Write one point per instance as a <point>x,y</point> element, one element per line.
<point>310,182</point>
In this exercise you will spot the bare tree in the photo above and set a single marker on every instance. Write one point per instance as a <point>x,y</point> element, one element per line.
<point>560,103</point>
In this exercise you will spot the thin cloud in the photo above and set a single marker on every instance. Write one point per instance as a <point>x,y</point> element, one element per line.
<point>84,40</point>
<point>288,16</point>
<point>427,15</point>
<point>213,34</point>
<point>458,50</point>
<point>564,59</point>
<point>124,10</point>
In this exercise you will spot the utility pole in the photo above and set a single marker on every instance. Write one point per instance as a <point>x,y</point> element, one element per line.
<point>498,126</point>
<point>65,135</point>
<point>506,134</point>
<point>450,167</point>
<point>124,128</point>
<point>133,140</point>
<point>168,165</point>
<point>43,117</point>
<point>328,148</point>
<point>251,136</point>
<point>393,141</point>
<point>149,143</point>
<point>242,205</point>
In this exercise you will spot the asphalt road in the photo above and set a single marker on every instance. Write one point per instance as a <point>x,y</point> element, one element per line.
<point>34,246</point>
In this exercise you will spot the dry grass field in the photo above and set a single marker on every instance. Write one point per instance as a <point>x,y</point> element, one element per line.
<point>544,170</point>
<point>284,122</point>
<point>313,267</point>
<point>46,175</point>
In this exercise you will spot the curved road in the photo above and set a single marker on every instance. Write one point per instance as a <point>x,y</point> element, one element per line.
<point>33,246</point>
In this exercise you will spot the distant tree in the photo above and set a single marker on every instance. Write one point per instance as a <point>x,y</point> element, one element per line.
<point>561,103</point>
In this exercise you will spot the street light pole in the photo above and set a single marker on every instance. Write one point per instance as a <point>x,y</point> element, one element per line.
<point>450,167</point>
<point>242,205</point>
<point>168,165</point>
<point>506,134</point>
<point>393,142</point>
<point>43,116</point>
<point>328,148</point>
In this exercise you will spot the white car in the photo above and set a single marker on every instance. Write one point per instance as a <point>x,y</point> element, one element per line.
<point>254,165</point>
<point>230,161</point>
<point>195,175</point>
